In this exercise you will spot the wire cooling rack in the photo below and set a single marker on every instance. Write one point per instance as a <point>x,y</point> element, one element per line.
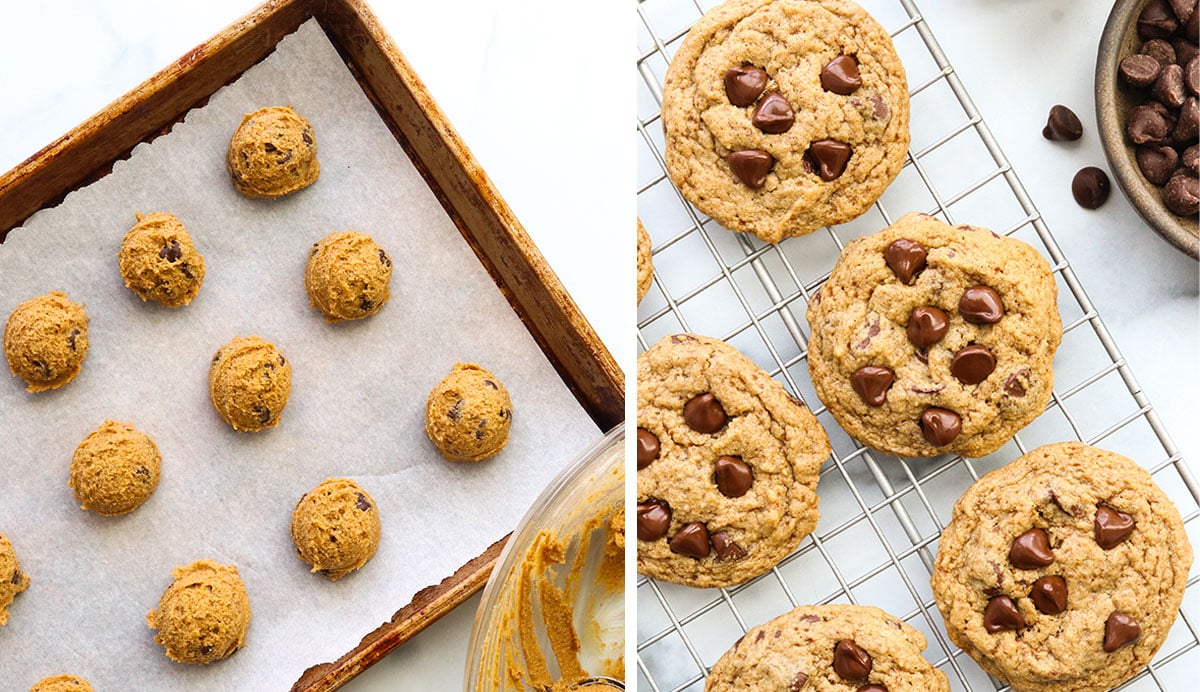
<point>880,516</point>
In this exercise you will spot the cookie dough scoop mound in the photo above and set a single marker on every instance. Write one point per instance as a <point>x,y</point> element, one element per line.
<point>62,683</point>
<point>203,615</point>
<point>335,527</point>
<point>46,340</point>
<point>249,383</point>
<point>273,153</point>
<point>159,262</point>
<point>347,276</point>
<point>114,469</point>
<point>833,647</point>
<point>12,580</point>
<point>468,414</point>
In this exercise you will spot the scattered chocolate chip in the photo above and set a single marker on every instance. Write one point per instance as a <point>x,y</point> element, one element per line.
<point>744,84</point>
<point>704,414</point>
<point>798,682</point>
<point>1013,386</point>
<point>1156,162</point>
<point>926,326</point>
<point>732,476</point>
<point>692,540</point>
<point>1031,550</point>
<point>973,364</point>
<point>774,114</point>
<point>724,547</point>
<point>981,305</point>
<point>871,383</point>
<point>1090,187</point>
<point>263,413</point>
<point>1182,194</point>
<point>850,661</point>
<point>828,158</point>
<point>653,520</point>
<point>1049,595</point>
<point>171,252</point>
<point>71,339</point>
<point>1149,123</point>
<point>1002,614</point>
<point>1168,88</point>
<point>1063,125</point>
<point>751,166</point>
<point>1120,630</point>
<point>384,259</point>
<point>362,503</point>
<point>1160,49</point>
<point>647,448</point>
<point>1139,70</point>
<point>906,258</point>
<point>841,76</point>
<point>1157,20</point>
<point>940,426</point>
<point>1111,527</point>
<point>454,413</point>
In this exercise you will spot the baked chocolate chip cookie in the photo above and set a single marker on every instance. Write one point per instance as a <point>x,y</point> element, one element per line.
<point>934,339</point>
<point>831,647</point>
<point>645,262</point>
<point>1062,570</point>
<point>782,116</point>
<point>728,465</point>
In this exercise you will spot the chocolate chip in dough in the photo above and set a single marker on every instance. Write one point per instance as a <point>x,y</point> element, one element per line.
<point>906,259</point>
<point>744,84</point>
<point>751,166</point>
<point>940,426</point>
<point>1111,527</point>
<point>1031,550</point>
<point>926,326</point>
<point>1049,595</point>
<point>1002,614</point>
<point>850,661</point>
<point>647,448</point>
<point>704,414</point>
<point>871,383</point>
<point>981,305</point>
<point>692,540</point>
<point>774,114</point>
<point>841,76</point>
<point>1120,630</point>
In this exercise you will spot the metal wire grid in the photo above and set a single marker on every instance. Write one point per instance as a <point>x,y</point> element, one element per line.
<point>881,516</point>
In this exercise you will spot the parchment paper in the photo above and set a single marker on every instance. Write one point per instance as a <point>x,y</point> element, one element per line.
<point>356,407</point>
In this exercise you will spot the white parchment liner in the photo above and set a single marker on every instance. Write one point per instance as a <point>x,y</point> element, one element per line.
<point>356,408</point>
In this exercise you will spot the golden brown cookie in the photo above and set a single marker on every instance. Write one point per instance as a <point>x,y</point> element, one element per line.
<point>833,647</point>
<point>273,153</point>
<point>114,469</point>
<point>934,339</point>
<point>728,464</point>
<point>645,262</point>
<point>347,276</point>
<point>249,383</point>
<point>1063,570</point>
<point>46,340</point>
<point>159,262</point>
<point>62,683</point>
<point>12,580</point>
<point>782,116</point>
<point>468,414</point>
<point>335,527</point>
<point>203,615</point>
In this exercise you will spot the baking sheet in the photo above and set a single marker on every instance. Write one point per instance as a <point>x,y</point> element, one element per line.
<point>356,407</point>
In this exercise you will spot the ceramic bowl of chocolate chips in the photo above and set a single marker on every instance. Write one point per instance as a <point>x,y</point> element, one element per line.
<point>1147,85</point>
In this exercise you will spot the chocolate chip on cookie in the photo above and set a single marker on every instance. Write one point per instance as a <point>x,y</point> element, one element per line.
<point>647,448</point>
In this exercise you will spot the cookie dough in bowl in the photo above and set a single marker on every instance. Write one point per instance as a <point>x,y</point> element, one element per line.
<point>347,276</point>
<point>114,469</point>
<point>273,153</point>
<point>203,615</point>
<point>335,527</point>
<point>468,414</point>
<point>62,683</point>
<point>159,262</point>
<point>46,340</point>
<point>249,383</point>
<point>12,580</point>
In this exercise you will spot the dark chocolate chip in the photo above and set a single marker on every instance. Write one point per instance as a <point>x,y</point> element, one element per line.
<point>1063,125</point>
<point>307,136</point>
<point>206,649</point>
<point>799,680</point>
<point>926,326</point>
<point>384,259</point>
<point>185,270</point>
<point>1183,9</point>
<point>1191,29</point>
<point>828,158</point>
<point>774,114</point>
<point>1090,187</point>
<point>906,258</point>
<point>1120,630</point>
<point>744,84</point>
<point>704,414</point>
<point>692,540</point>
<point>71,339</point>
<point>751,166</point>
<point>1182,194</point>
<point>315,248</point>
<point>973,364</point>
<point>871,383</point>
<point>269,148</point>
<point>881,107</point>
<point>1049,595</point>
<point>940,426</point>
<point>490,385</point>
<point>1002,614</point>
<point>850,661</point>
<point>1149,123</point>
<point>362,503</point>
<point>724,547</point>
<point>286,157</point>
<point>1185,50</point>
<point>1157,162</point>
<point>142,473</point>
<point>1111,527</point>
<point>1191,159</point>
<point>1159,49</point>
<point>171,252</point>
<point>1156,20</point>
<point>481,429</point>
<point>653,520</point>
<point>647,448</point>
<point>841,76</point>
<point>43,366</point>
<point>1013,386</point>
<point>1191,76</point>
<point>1168,88</point>
<point>365,304</point>
<point>1139,70</point>
<point>981,305</point>
<point>454,413</point>
<point>1188,126</point>
<point>1031,550</point>
<point>263,413</point>
<point>732,476</point>
<point>16,577</point>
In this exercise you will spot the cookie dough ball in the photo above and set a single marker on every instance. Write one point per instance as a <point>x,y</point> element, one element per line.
<point>347,276</point>
<point>159,262</point>
<point>203,616</point>
<point>45,341</point>
<point>335,527</point>
<point>468,414</point>
<point>645,266</point>
<point>249,383</point>
<point>12,580</point>
<point>273,153</point>
<point>115,468</point>
<point>62,683</point>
